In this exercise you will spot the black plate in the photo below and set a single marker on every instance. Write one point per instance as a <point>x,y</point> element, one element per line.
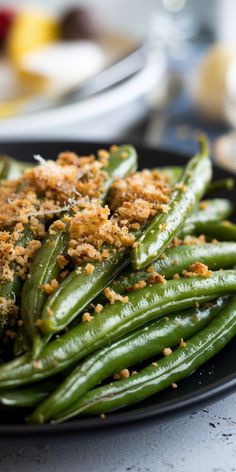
<point>215,379</point>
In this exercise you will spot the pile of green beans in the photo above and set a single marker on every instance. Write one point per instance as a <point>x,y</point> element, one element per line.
<point>167,371</point>
<point>166,328</point>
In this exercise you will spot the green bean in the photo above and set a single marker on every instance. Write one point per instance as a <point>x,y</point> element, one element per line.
<point>222,230</point>
<point>2,169</point>
<point>223,184</point>
<point>215,209</point>
<point>212,211</point>
<point>127,351</point>
<point>43,269</point>
<point>26,397</point>
<point>10,289</point>
<point>169,370</point>
<point>5,168</point>
<point>78,290</point>
<point>21,342</point>
<point>122,162</point>
<point>164,227</point>
<point>115,320</point>
<point>173,173</point>
<point>177,259</point>
<point>12,169</point>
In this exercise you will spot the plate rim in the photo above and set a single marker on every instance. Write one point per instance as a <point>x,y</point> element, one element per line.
<point>138,416</point>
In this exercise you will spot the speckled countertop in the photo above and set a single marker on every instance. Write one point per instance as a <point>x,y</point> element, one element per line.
<point>204,440</point>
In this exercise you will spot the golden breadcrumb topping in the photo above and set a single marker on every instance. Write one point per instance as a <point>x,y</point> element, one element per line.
<point>49,287</point>
<point>64,195</point>
<point>140,196</point>
<point>45,188</point>
<point>89,268</point>
<point>11,252</point>
<point>137,286</point>
<point>86,317</point>
<point>112,296</point>
<point>8,307</point>
<point>182,343</point>
<point>197,269</point>
<point>155,278</point>
<point>103,156</point>
<point>176,276</point>
<point>181,186</point>
<point>30,202</point>
<point>91,228</point>
<point>167,351</point>
<point>203,205</point>
<point>133,201</point>
<point>98,308</point>
<point>187,241</point>
<point>122,374</point>
<point>62,261</point>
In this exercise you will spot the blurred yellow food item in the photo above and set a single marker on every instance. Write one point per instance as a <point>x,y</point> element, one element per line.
<point>211,81</point>
<point>31,30</point>
<point>13,107</point>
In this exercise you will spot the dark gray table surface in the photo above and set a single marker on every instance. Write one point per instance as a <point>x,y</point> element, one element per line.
<point>202,441</point>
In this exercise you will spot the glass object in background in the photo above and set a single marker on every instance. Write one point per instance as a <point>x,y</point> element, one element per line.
<point>225,145</point>
<point>225,21</point>
<point>173,25</point>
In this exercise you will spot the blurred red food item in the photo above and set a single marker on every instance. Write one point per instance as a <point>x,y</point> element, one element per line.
<point>78,23</point>
<point>7,17</point>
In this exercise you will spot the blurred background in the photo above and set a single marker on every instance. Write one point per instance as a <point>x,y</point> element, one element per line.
<point>155,71</point>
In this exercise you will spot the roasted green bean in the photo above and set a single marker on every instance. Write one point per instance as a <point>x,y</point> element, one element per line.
<point>154,240</point>
<point>166,372</point>
<point>115,320</point>
<point>127,351</point>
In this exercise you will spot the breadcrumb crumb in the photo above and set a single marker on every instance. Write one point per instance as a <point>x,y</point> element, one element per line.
<point>181,186</point>
<point>155,278</point>
<point>122,374</point>
<point>134,372</point>
<point>86,317</point>
<point>197,269</point>
<point>182,343</point>
<point>89,268</point>
<point>62,261</point>
<point>49,287</point>
<point>176,276</point>
<point>203,205</point>
<point>167,351</point>
<point>98,308</point>
<point>112,296</point>
<point>138,285</point>
<point>37,364</point>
